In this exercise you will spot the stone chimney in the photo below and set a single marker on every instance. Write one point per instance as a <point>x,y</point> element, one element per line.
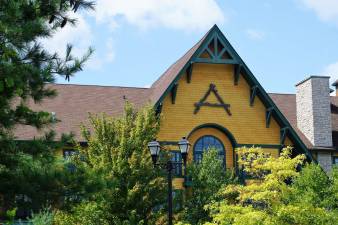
<point>314,111</point>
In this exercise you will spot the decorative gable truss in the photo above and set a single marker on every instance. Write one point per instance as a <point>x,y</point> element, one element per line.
<point>202,102</point>
<point>216,49</point>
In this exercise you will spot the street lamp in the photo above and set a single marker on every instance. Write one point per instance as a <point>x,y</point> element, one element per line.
<point>154,148</point>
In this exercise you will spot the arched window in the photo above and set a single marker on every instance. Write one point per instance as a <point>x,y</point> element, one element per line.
<point>206,142</point>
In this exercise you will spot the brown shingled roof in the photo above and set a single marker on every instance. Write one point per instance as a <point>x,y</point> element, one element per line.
<point>73,104</point>
<point>162,83</point>
<point>287,105</point>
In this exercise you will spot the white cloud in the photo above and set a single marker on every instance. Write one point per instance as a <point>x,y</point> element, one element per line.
<point>255,34</point>
<point>326,10</point>
<point>174,14</point>
<point>110,56</point>
<point>332,71</point>
<point>80,36</point>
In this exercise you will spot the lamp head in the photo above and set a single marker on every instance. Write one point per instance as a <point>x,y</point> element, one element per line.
<point>184,146</point>
<point>154,148</point>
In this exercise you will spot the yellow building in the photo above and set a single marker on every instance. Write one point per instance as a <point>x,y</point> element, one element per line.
<point>211,97</point>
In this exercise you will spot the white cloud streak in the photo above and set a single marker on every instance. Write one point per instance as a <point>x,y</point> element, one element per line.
<point>326,10</point>
<point>332,71</point>
<point>175,14</point>
<point>187,15</point>
<point>255,34</point>
<point>80,36</point>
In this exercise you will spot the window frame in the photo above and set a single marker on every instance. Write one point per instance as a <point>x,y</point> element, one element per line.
<point>178,167</point>
<point>201,152</point>
<point>334,158</point>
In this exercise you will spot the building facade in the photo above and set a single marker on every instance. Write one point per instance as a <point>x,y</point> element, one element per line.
<point>211,97</point>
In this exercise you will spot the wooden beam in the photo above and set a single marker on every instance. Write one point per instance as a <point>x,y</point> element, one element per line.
<point>158,110</point>
<point>283,133</point>
<point>216,61</point>
<point>212,88</point>
<point>189,73</point>
<point>253,94</point>
<point>268,115</point>
<point>237,72</point>
<point>173,93</point>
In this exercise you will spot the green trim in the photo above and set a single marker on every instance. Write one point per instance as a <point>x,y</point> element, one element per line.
<point>210,135</point>
<point>283,133</point>
<point>253,94</point>
<point>173,93</point>
<point>223,130</point>
<point>276,146</point>
<point>218,61</point>
<point>189,72</point>
<point>268,115</point>
<point>218,127</point>
<point>250,78</point>
<point>237,72</point>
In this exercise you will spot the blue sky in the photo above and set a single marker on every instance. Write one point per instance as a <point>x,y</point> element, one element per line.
<point>282,42</point>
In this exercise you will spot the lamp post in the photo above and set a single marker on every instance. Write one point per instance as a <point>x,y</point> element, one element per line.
<point>155,148</point>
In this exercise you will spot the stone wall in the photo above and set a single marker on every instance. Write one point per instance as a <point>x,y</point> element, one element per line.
<point>313,110</point>
<point>325,160</point>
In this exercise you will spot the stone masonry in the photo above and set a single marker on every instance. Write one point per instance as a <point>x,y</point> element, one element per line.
<point>314,115</point>
<point>313,110</point>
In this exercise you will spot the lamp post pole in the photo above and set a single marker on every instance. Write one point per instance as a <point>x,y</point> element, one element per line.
<point>155,148</point>
<point>170,193</point>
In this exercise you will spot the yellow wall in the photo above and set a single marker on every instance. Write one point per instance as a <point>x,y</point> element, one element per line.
<point>247,124</point>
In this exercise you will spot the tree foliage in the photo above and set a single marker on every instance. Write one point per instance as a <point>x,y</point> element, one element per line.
<point>29,169</point>
<point>281,193</point>
<point>207,178</point>
<point>117,152</point>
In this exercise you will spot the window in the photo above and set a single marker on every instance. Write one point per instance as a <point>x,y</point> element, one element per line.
<point>335,160</point>
<point>67,153</point>
<point>205,143</point>
<point>176,157</point>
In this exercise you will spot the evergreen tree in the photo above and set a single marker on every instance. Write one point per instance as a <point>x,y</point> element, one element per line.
<point>27,170</point>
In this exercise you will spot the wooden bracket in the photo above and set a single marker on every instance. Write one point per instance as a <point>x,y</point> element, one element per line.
<point>212,88</point>
<point>253,93</point>
<point>283,133</point>
<point>173,93</point>
<point>268,115</point>
<point>158,110</point>
<point>189,72</point>
<point>237,71</point>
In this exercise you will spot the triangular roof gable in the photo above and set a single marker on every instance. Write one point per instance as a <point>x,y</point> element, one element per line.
<point>181,67</point>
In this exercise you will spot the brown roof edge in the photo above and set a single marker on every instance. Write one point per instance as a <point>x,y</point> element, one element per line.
<point>164,81</point>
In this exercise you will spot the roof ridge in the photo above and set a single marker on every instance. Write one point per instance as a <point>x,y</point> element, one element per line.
<point>187,52</point>
<point>276,93</point>
<point>97,85</point>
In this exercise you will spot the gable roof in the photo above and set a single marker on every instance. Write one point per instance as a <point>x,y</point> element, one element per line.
<point>163,86</point>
